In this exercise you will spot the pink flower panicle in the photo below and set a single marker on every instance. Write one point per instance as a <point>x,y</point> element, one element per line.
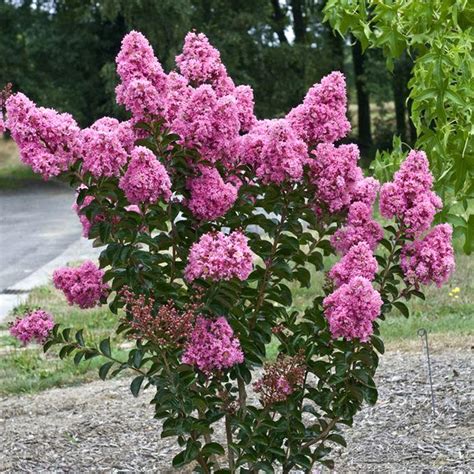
<point>166,326</point>
<point>82,285</point>
<point>34,326</point>
<point>146,179</point>
<point>335,174</point>
<point>366,191</point>
<point>104,146</point>
<point>431,259</point>
<point>212,346</point>
<point>360,227</point>
<point>211,197</point>
<point>208,123</point>
<point>280,379</point>
<point>217,256</point>
<point>201,64</point>
<point>275,152</point>
<point>46,138</point>
<point>322,115</point>
<point>351,309</point>
<point>410,197</point>
<point>143,80</point>
<point>358,261</point>
<point>245,107</point>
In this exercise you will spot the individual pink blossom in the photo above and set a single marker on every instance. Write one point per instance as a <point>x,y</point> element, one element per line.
<point>201,64</point>
<point>322,115</point>
<point>82,285</point>
<point>274,151</point>
<point>358,261</point>
<point>335,174</point>
<point>46,138</point>
<point>212,346</point>
<point>431,259</point>
<point>34,326</point>
<point>217,256</point>
<point>211,197</point>
<point>143,81</point>
<point>104,147</point>
<point>351,309</point>
<point>146,179</point>
<point>360,227</point>
<point>410,197</point>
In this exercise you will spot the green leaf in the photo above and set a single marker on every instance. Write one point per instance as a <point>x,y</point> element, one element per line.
<point>337,438</point>
<point>403,308</point>
<point>136,384</point>
<point>212,448</point>
<point>104,370</point>
<point>105,347</point>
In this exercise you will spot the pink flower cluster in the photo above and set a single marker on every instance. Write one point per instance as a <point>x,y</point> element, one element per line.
<point>335,174</point>
<point>200,63</point>
<point>104,146</point>
<point>322,115</point>
<point>358,261</point>
<point>212,346</point>
<point>431,259</point>
<point>280,379</point>
<point>143,80</point>
<point>34,326</point>
<point>410,197</point>
<point>209,123</point>
<point>217,256</point>
<point>274,150</point>
<point>146,179</point>
<point>46,138</point>
<point>351,309</point>
<point>211,197</point>
<point>360,227</point>
<point>82,285</point>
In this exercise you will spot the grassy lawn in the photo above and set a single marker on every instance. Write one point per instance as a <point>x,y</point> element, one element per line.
<point>13,172</point>
<point>29,370</point>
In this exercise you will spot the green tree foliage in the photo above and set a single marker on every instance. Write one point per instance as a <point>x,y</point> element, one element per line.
<point>438,36</point>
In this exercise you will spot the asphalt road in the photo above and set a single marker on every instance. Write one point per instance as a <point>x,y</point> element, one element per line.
<point>36,225</point>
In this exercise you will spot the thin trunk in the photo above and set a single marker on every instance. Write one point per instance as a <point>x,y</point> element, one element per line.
<point>399,97</point>
<point>279,21</point>
<point>363,102</point>
<point>299,21</point>
<point>336,45</point>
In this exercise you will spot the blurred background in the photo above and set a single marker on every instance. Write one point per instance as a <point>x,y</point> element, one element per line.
<point>61,54</point>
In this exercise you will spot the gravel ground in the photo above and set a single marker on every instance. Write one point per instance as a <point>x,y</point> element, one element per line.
<point>100,427</point>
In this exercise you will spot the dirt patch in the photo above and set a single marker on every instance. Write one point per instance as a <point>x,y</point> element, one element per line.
<point>100,427</point>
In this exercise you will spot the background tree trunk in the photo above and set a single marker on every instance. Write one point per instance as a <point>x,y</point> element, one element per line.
<point>363,102</point>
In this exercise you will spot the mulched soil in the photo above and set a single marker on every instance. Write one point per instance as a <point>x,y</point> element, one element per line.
<point>100,427</point>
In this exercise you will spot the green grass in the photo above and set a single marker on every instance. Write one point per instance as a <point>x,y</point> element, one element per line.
<point>13,173</point>
<point>27,370</point>
<point>445,315</point>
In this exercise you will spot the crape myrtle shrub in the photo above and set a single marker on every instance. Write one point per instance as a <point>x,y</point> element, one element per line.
<point>210,219</point>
